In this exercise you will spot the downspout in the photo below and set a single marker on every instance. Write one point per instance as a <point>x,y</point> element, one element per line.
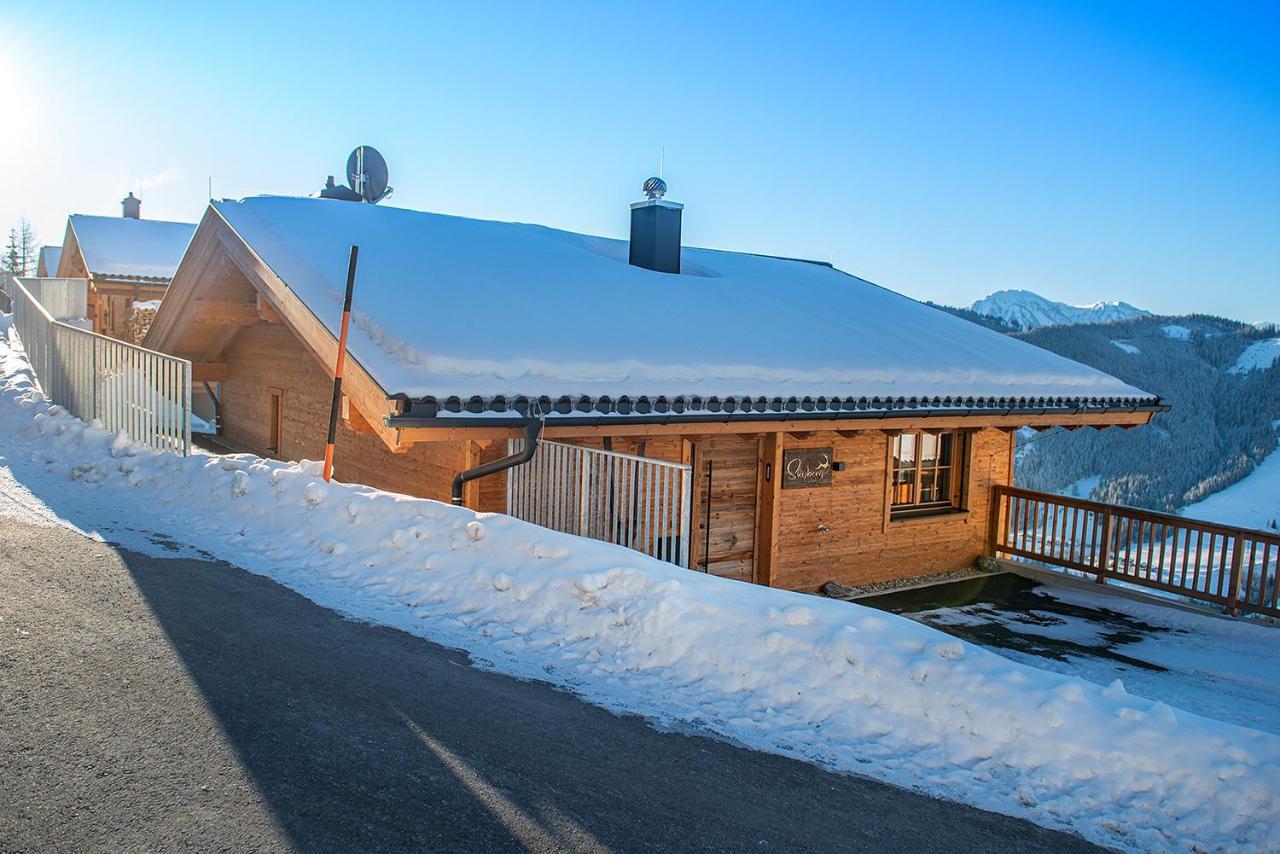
<point>532,429</point>
<point>217,408</point>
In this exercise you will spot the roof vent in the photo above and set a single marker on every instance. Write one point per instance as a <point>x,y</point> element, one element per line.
<point>655,230</point>
<point>132,206</point>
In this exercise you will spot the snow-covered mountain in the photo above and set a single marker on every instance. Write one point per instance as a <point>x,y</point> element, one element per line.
<point>1027,310</point>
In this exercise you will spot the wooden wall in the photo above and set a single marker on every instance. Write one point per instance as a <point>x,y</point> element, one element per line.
<point>267,357</point>
<point>861,544</point>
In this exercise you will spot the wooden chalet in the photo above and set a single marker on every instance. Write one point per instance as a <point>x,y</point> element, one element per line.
<point>47,262</point>
<point>821,427</point>
<point>126,260</point>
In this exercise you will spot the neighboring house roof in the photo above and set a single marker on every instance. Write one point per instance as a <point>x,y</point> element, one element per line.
<point>477,317</point>
<point>47,264</point>
<point>146,250</point>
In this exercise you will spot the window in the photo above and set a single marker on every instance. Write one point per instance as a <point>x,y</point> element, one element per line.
<point>274,418</point>
<point>927,472</point>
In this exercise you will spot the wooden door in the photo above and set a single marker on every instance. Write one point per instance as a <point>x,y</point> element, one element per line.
<point>724,506</point>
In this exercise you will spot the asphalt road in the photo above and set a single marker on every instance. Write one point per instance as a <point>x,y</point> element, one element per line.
<point>158,704</point>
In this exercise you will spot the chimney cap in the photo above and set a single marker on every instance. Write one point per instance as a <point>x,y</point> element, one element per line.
<point>655,188</point>
<point>132,206</point>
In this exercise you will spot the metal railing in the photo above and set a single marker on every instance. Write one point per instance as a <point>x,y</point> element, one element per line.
<point>637,502</point>
<point>145,393</point>
<point>64,299</point>
<point>1221,564</point>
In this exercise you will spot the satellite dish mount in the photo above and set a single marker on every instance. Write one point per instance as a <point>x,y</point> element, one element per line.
<point>367,175</point>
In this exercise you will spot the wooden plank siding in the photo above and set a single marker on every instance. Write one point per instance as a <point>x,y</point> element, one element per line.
<point>861,545</point>
<point>724,506</point>
<point>260,358</point>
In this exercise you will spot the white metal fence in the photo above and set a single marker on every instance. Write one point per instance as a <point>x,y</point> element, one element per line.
<point>637,502</point>
<point>145,393</point>
<point>64,299</point>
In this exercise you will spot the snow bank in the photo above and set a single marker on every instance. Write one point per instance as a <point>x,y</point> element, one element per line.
<point>1177,333</point>
<point>848,688</point>
<point>1131,349</point>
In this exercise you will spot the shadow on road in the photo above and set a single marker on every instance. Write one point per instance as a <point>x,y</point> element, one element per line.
<point>364,737</point>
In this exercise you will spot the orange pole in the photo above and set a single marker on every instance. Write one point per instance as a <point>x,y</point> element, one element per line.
<point>340,367</point>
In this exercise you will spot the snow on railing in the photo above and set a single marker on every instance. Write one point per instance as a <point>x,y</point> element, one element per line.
<point>1236,568</point>
<point>637,502</point>
<point>142,392</point>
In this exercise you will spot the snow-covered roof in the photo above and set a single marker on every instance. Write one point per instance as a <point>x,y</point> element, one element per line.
<point>47,262</point>
<point>124,248</point>
<point>479,316</point>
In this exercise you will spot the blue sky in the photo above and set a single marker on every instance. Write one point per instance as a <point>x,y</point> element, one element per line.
<point>1111,150</point>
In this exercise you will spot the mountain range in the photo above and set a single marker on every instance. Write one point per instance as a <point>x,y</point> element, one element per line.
<point>1023,310</point>
<point>1221,378</point>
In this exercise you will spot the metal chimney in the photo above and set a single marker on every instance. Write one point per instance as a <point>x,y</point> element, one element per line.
<point>132,207</point>
<point>655,230</point>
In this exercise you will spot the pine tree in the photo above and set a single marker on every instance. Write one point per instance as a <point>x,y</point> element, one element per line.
<point>28,248</point>
<point>21,251</point>
<point>12,260</point>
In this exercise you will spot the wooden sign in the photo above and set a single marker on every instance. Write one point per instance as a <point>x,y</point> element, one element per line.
<point>805,468</point>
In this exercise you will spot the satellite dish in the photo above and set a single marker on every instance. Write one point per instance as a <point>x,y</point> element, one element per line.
<point>367,174</point>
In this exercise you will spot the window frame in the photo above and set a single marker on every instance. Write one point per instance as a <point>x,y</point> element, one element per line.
<point>958,468</point>
<point>275,420</point>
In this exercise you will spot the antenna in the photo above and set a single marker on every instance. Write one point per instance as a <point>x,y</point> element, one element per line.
<point>210,188</point>
<point>662,159</point>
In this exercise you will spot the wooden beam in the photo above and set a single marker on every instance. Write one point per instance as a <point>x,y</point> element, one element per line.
<point>800,436</point>
<point>217,313</point>
<point>888,426</point>
<point>354,420</point>
<point>471,489</point>
<point>209,372</point>
<point>768,507</point>
<point>364,391</point>
<point>266,312</point>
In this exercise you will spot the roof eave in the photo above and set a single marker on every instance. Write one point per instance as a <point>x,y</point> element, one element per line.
<point>471,420</point>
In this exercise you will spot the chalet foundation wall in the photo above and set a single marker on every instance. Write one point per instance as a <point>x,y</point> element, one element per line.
<point>265,358</point>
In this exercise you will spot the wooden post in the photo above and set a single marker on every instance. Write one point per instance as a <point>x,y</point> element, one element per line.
<point>768,506</point>
<point>341,366</point>
<point>1104,550</point>
<point>1237,564</point>
<point>994,526</point>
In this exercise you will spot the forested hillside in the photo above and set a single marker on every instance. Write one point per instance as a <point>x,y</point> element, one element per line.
<point>1221,425</point>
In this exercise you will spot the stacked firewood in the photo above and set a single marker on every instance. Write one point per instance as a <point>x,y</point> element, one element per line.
<point>140,318</point>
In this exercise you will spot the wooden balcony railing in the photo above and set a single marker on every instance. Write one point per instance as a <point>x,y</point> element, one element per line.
<point>1221,564</point>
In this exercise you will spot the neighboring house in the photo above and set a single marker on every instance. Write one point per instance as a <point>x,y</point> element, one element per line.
<point>47,265</point>
<point>126,260</point>
<point>836,430</point>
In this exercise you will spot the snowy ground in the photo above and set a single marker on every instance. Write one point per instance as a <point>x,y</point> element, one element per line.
<point>839,685</point>
<point>1223,669</point>
<point>1252,502</point>
<point>1258,356</point>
